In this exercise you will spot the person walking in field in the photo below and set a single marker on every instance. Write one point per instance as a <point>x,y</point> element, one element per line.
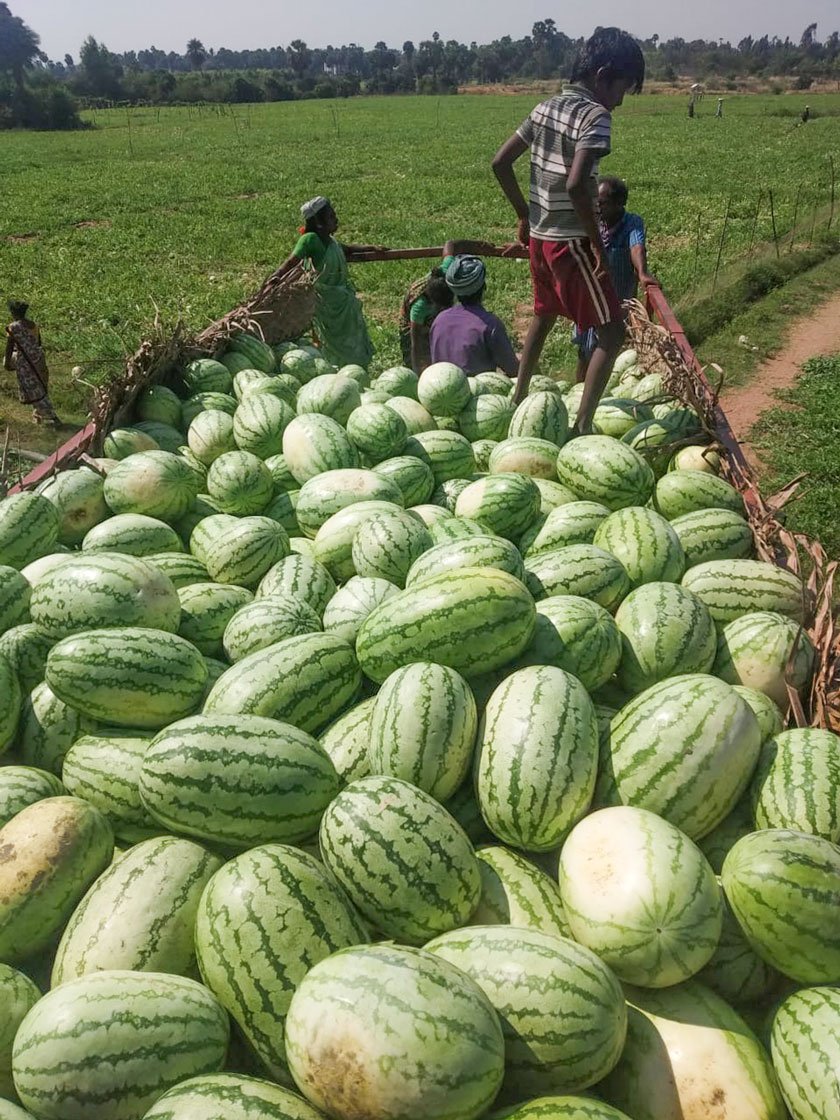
<point>25,357</point>
<point>468,335</point>
<point>567,136</point>
<point>623,236</point>
<point>719,110</point>
<point>339,321</point>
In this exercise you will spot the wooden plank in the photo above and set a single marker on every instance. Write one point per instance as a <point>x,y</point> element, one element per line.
<point>61,458</point>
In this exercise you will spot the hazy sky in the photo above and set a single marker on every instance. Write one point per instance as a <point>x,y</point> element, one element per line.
<point>168,24</point>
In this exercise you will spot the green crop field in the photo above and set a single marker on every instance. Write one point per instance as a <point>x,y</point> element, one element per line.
<point>183,211</point>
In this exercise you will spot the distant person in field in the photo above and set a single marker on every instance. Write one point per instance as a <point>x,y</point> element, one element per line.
<point>25,357</point>
<point>568,135</point>
<point>468,335</point>
<point>719,110</point>
<point>339,322</point>
<point>623,237</point>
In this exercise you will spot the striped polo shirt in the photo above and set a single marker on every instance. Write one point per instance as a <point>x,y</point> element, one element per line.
<point>554,131</point>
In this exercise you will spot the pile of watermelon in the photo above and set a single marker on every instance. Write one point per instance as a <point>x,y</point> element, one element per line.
<point>375,751</point>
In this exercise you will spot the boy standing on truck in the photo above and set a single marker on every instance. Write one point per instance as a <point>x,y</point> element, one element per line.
<point>568,135</point>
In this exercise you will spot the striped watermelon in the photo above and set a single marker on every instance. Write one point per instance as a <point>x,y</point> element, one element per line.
<point>259,424</point>
<point>575,1035</point>
<point>159,403</point>
<point>439,1054</point>
<point>78,498</point>
<point>305,681</point>
<point>576,635</point>
<point>28,529</point>
<point>334,540</point>
<point>53,850</point>
<point>207,530</point>
<point>561,1108</point>
<point>47,729</point>
<point>25,648</point>
<point>485,417</point>
<point>514,892</point>
<point>327,493</point>
<point>170,1028</point>
<point>211,435</point>
<point>484,551</point>
<point>267,621</point>
<point>506,504</point>
<point>482,450</point>
<point>491,381</point>
<point>377,431</point>
<point>570,523</point>
<point>300,362</point>
<point>165,436</point>
<point>639,893</point>
<point>443,389</point>
<point>128,677</point>
<point>767,652</point>
<point>282,905</point>
<point>684,749</point>
<point>578,569</point>
<point>96,592</point>
<point>784,889</point>
<point>644,542</point>
<point>351,605</point>
<point>140,914</point>
<point>412,477</point>
<point>797,783</point>
<point>206,609</point>
<point>525,455</point>
<point>206,375</point>
<point>681,492</point>
<point>716,845</point>
<point>696,457</point>
<point>18,995</point>
<point>300,576</point>
<point>600,469</point>
<point>15,591</point>
<point>447,423</point>
<point>11,699</point>
<point>417,418</point>
<point>665,631</point>
<point>732,588</point>
<point>24,785</point>
<point>133,534</point>
<point>255,350</point>
<point>473,620</point>
<point>36,571</point>
<point>103,768</point>
<point>404,862</point>
<point>451,528</point>
<point>386,545</point>
<point>240,483</point>
<point>765,710</point>
<point>463,806</point>
<point>423,728</point>
<point>333,395</point>
<point>448,454</point>
<point>736,972</point>
<point>616,417</point>
<point>201,402</point>
<point>542,415</point>
<point>805,1046</point>
<point>281,475</point>
<point>181,568</point>
<point>156,483</point>
<point>398,381</point>
<point>552,495</point>
<point>313,444</point>
<point>689,1055</point>
<point>122,442</point>
<point>537,757</point>
<point>713,534</point>
<point>228,1096</point>
<point>246,552</point>
<point>283,509</point>
<point>238,781</point>
<point>447,494</point>
<point>346,741</point>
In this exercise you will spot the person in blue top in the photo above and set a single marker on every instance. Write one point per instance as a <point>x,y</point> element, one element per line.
<point>623,234</point>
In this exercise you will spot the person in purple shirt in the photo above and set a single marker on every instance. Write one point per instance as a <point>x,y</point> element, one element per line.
<point>468,335</point>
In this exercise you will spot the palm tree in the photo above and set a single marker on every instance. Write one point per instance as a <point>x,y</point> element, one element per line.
<point>19,45</point>
<point>196,53</point>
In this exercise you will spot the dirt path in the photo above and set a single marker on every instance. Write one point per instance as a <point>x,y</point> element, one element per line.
<point>807,338</point>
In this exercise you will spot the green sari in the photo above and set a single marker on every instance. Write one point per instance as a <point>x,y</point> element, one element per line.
<point>339,322</point>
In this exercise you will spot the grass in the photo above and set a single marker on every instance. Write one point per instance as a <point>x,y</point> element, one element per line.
<point>183,211</point>
<point>801,436</point>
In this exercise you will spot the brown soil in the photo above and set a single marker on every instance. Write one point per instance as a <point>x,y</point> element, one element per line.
<point>818,334</point>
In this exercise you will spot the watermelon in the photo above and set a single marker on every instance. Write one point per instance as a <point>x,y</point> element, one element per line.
<point>122,442</point>
<point>247,381</point>
<point>18,995</point>
<point>313,444</point>
<point>681,492</point>
<point>139,915</point>
<point>784,889</point>
<point>447,453</point>
<point>206,375</point>
<point>206,609</point>
<point>639,893</point>
<point>131,676</point>
<point>28,528</point>
<point>36,571</point>
<point>492,381</point>
<point>417,418</point>
<point>603,470</point>
<point>377,431</point>
<point>47,729</point>
<point>561,1108</point>
<point>616,417</point>
<point>403,861</point>
<point>165,436</point>
<point>732,588</point>
<point>302,577</point>
<point>645,543</point>
<point>525,455</point>
<point>11,698</point>
<point>346,741</point>
<point>209,529</point>
<point>281,907</point>
<point>246,552</point>
<point>481,551</point>
<point>281,475</point>
<point>300,362</point>
<point>412,477</point>
<point>451,528</point>
<point>713,534</point>
<point>259,423</point>
<point>155,483</point>
<point>327,493</point>
<point>24,785</point>
<point>767,652</point>
<point>153,1029</point>
<point>736,972</point>
<point>103,768</point>
<point>716,845</point>
<point>537,757</point>
<point>423,728</point>
<point>805,1046</point>
<point>333,546</point>
<point>306,681</point>
<point>438,1056</point>
<point>351,605</point>
<point>238,780</point>
<point>159,403</point>
<point>95,592</point>
<point>797,783</point>
<point>506,504</point>
<point>387,544</point>
<point>443,389</point>
<point>578,569</point>
<point>78,498</point>
<point>255,350</point>
<point>575,1036</point>
<point>447,494</point>
<point>696,457</point>
<point>765,710</point>
<point>576,635</point>
<point>133,534</point>
<point>25,649</point>
<point>53,850</point>
<point>240,483</point>
<point>15,591</point>
<point>227,1096</point>
<point>514,892</point>
<point>570,523</point>
<point>265,622</point>
<point>482,450</point>
<point>200,402</point>
<point>333,395</point>
<point>211,435</point>
<point>542,415</point>
<point>398,381</point>
<point>472,620</point>
<point>485,417</point>
<point>665,631</point>
<point>181,568</point>
<point>283,509</point>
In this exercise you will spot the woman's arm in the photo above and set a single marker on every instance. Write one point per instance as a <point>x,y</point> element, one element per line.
<point>421,352</point>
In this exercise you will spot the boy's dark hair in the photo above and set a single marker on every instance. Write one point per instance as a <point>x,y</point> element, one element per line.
<point>614,51</point>
<point>18,308</point>
<point>437,291</point>
<point>616,188</point>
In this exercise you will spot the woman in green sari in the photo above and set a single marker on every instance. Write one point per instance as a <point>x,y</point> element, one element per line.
<point>339,322</point>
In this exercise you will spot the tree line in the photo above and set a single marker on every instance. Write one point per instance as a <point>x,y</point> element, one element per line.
<point>36,91</point>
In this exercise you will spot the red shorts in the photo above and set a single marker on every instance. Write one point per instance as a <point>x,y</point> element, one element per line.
<point>566,283</point>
